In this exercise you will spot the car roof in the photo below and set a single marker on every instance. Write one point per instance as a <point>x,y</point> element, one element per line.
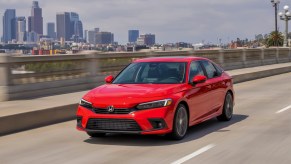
<point>170,59</point>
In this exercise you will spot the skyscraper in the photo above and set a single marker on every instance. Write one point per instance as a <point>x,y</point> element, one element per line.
<point>104,38</point>
<point>91,37</point>
<point>51,30</point>
<point>35,21</point>
<point>32,37</point>
<point>63,26</point>
<point>97,29</point>
<point>76,25</point>
<point>79,29</point>
<point>133,35</point>
<point>9,25</point>
<point>69,26</point>
<point>85,35</point>
<point>74,17</point>
<point>21,29</point>
<point>146,39</point>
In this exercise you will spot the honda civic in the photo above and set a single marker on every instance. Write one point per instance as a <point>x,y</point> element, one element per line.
<point>157,96</point>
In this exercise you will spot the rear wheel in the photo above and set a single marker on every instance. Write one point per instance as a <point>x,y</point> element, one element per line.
<point>227,110</point>
<point>96,135</point>
<point>180,124</point>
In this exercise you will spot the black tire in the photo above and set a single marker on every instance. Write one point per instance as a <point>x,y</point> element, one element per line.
<point>180,123</point>
<point>96,135</point>
<point>227,110</point>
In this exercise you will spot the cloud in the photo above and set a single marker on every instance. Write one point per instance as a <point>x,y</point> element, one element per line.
<point>170,20</point>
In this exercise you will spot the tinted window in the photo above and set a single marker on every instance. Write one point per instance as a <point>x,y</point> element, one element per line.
<point>195,69</point>
<point>152,72</point>
<point>128,75</point>
<point>209,68</point>
<point>218,69</point>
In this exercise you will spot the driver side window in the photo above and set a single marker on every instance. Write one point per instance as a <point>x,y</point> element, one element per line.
<point>195,69</point>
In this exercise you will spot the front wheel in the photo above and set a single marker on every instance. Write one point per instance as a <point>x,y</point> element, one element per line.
<point>180,124</point>
<point>227,110</point>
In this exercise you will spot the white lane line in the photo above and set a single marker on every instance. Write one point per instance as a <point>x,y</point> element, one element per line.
<point>284,109</point>
<point>194,154</point>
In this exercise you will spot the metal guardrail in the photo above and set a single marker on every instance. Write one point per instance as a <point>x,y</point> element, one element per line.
<point>33,76</point>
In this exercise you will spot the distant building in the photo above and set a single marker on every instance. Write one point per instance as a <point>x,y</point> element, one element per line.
<point>104,38</point>
<point>9,25</point>
<point>69,26</point>
<point>51,30</point>
<point>91,36</point>
<point>85,35</point>
<point>35,21</point>
<point>76,26</point>
<point>74,16</point>
<point>79,29</point>
<point>63,26</point>
<point>32,37</point>
<point>21,29</point>
<point>147,39</point>
<point>183,45</point>
<point>97,30</point>
<point>259,37</point>
<point>133,35</point>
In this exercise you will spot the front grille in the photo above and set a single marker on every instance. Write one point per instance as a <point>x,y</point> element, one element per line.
<point>116,111</point>
<point>113,124</point>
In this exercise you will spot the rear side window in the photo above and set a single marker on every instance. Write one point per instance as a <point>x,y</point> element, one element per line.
<point>195,69</point>
<point>218,69</point>
<point>210,69</point>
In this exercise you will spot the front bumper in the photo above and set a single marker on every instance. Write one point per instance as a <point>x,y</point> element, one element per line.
<point>150,121</point>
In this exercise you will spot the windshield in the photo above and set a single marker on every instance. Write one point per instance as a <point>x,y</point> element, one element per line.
<point>152,73</point>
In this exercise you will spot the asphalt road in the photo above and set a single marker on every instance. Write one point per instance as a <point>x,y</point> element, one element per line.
<point>259,133</point>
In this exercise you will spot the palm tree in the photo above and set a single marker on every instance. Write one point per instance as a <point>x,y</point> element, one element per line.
<point>275,39</point>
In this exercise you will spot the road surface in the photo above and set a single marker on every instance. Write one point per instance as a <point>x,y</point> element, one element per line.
<point>259,133</point>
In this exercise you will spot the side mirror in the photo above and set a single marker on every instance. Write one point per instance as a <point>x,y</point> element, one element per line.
<point>199,79</point>
<point>109,79</point>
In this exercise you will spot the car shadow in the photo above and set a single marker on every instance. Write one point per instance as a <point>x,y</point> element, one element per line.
<point>194,133</point>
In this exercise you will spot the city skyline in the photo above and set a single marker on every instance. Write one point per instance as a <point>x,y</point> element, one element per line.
<point>35,20</point>
<point>9,28</point>
<point>171,21</point>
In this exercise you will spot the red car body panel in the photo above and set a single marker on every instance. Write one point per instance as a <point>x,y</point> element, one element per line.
<point>204,101</point>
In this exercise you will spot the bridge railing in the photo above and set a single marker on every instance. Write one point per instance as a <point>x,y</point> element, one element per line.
<point>34,76</point>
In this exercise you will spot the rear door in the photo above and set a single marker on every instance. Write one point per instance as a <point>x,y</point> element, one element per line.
<point>198,95</point>
<point>216,96</point>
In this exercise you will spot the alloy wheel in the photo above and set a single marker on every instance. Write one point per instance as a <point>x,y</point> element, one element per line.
<point>181,121</point>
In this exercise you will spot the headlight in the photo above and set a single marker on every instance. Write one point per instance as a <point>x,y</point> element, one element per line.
<point>155,104</point>
<point>85,104</point>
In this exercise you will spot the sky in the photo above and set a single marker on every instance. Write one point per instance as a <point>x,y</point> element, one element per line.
<point>171,21</point>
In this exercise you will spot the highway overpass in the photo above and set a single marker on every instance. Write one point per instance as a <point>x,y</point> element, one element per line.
<point>32,76</point>
<point>260,132</point>
<point>43,90</point>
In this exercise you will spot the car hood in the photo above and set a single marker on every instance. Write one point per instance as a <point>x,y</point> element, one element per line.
<point>125,95</point>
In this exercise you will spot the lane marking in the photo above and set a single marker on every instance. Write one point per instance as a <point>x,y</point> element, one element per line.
<point>194,154</point>
<point>284,109</point>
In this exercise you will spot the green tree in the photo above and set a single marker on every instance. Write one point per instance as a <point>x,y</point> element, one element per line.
<point>275,39</point>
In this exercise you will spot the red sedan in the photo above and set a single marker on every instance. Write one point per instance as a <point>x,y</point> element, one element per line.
<point>162,95</point>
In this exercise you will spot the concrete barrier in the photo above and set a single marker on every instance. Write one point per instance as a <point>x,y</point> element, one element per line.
<point>260,74</point>
<point>35,76</point>
<point>38,118</point>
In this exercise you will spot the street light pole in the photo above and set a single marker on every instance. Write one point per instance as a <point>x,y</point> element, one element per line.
<point>286,16</point>
<point>275,4</point>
